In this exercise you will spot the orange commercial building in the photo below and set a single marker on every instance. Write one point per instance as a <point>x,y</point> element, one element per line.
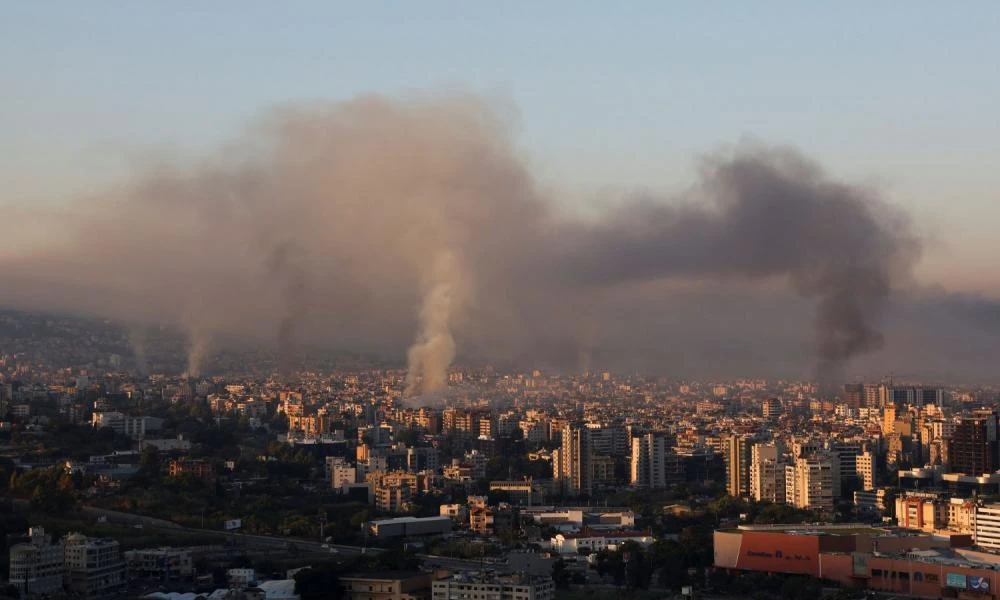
<point>865,558</point>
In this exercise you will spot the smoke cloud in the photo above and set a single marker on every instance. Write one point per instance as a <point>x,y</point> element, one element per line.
<point>762,213</point>
<point>385,224</point>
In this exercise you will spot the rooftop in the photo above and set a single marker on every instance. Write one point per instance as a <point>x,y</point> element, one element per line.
<point>813,529</point>
<point>383,575</point>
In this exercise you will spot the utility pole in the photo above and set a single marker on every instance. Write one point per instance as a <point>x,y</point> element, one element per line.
<point>322,524</point>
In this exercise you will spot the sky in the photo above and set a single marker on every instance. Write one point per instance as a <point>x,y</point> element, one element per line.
<point>902,96</point>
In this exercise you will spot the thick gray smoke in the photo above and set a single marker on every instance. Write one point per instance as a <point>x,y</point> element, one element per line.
<point>764,213</point>
<point>381,225</point>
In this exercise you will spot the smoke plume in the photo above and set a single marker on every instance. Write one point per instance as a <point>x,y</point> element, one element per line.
<point>199,343</point>
<point>762,213</point>
<point>285,266</point>
<point>430,356</point>
<point>384,224</point>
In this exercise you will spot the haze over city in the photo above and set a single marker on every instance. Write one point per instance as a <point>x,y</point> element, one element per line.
<point>688,191</point>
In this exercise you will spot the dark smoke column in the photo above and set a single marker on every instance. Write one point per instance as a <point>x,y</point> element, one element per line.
<point>760,214</point>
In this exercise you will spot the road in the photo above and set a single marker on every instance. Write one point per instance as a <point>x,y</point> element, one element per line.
<point>259,541</point>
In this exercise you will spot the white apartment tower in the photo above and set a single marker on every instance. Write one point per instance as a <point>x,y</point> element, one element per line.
<point>767,474</point>
<point>572,465</point>
<point>649,461</point>
<point>986,526</point>
<point>813,482</point>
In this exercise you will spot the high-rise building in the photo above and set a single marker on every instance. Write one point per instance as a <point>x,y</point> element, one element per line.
<point>573,470</point>
<point>888,420</point>
<point>854,395</point>
<point>609,440</point>
<point>813,482</point>
<point>422,459</point>
<point>847,453</point>
<point>866,469</point>
<point>37,567</point>
<point>738,456</point>
<point>767,474</point>
<point>771,408</point>
<point>649,461</point>
<point>973,446</point>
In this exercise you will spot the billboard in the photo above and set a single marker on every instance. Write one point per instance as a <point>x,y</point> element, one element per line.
<point>979,584</point>
<point>234,524</point>
<point>779,552</point>
<point>955,580</point>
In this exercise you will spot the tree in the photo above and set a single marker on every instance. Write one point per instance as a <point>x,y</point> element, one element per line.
<point>801,588</point>
<point>319,583</point>
<point>149,461</point>
<point>359,518</point>
<point>560,575</point>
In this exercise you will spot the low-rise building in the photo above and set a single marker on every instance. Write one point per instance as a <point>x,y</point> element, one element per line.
<point>159,563</point>
<point>94,566</point>
<point>199,468</point>
<point>490,586</point>
<point>410,526</point>
<point>595,541</point>
<point>38,566</point>
<point>387,585</point>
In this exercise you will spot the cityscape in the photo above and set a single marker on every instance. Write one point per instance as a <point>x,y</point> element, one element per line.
<point>523,484</point>
<point>499,301</point>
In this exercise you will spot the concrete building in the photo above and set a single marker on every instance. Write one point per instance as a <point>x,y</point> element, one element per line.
<point>422,459</point>
<point>410,526</point>
<point>866,469</point>
<point>767,474</point>
<point>387,585</point>
<point>37,568</point>
<point>490,586</point>
<point>649,461</point>
<point>902,563</point>
<point>738,455</point>
<point>591,541</point>
<point>986,526</point>
<point>571,465</point>
<point>922,511</point>
<point>962,515</point>
<point>241,578</point>
<point>94,566</point>
<point>973,448</point>
<point>199,468</point>
<point>159,563</point>
<point>134,427</point>
<point>340,473</point>
<point>521,493</point>
<point>813,482</point>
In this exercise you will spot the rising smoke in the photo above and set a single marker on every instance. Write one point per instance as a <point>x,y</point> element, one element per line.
<point>286,269</point>
<point>762,213</point>
<point>382,224</point>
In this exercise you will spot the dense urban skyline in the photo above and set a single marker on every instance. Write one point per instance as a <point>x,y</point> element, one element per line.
<point>508,301</point>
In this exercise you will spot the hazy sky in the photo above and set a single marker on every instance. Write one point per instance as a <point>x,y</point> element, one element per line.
<point>902,95</point>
